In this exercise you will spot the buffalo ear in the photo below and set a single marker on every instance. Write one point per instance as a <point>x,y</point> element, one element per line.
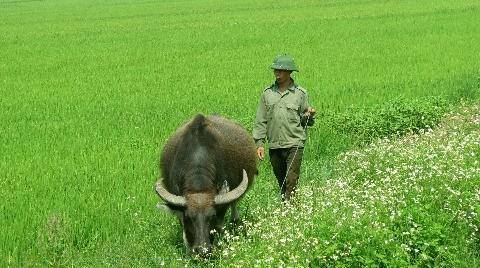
<point>225,188</point>
<point>165,208</point>
<point>221,199</point>
<point>176,200</point>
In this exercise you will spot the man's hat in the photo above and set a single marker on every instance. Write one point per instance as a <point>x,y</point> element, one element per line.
<point>284,62</point>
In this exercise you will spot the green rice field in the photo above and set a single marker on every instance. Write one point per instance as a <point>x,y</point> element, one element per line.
<point>91,90</point>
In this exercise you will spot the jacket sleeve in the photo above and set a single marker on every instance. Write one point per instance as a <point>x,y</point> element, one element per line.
<point>260,126</point>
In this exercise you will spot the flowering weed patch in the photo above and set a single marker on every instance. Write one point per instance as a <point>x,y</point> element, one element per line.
<point>413,201</point>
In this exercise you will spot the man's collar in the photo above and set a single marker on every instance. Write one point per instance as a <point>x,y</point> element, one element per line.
<point>290,87</point>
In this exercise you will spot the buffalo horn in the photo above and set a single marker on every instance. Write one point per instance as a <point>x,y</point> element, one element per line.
<point>233,194</point>
<point>170,198</point>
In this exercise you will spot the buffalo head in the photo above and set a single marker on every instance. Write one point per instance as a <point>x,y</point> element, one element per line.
<point>201,214</point>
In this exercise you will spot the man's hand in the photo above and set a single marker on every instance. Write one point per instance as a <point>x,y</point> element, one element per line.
<point>261,153</point>
<point>311,112</point>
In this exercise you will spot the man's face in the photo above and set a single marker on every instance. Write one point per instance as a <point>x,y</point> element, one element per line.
<point>281,75</point>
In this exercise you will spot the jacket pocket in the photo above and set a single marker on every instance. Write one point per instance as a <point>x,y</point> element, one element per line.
<point>292,112</point>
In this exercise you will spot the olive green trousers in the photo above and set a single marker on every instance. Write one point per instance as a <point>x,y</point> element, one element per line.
<point>286,164</point>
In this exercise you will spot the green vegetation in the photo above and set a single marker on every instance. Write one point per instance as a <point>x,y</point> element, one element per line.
<point>396,117</point>
<point>90,91</point>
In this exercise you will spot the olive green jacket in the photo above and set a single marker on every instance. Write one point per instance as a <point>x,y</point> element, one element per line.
<point>281,117</point>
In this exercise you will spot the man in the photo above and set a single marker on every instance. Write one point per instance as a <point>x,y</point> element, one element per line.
<point>282,116</point>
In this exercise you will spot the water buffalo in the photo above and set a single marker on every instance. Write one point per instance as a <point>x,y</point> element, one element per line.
<point>205,158</point>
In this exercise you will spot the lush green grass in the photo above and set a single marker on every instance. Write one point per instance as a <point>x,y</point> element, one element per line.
<point>90,92</point>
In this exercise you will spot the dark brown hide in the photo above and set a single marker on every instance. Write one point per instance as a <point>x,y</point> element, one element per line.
<point>205,158</point>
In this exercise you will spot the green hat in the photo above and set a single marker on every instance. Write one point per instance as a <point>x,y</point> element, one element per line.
<point>284,62</point>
